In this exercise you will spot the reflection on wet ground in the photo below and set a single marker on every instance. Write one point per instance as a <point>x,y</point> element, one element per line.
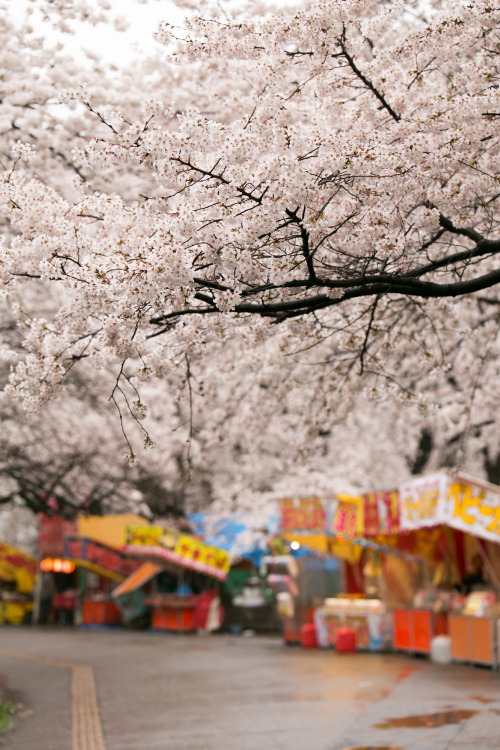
<point>439,719</point>
<point>482,699</point>
<point>374,747</point>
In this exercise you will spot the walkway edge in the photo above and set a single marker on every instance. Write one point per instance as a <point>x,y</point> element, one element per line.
<point>86,727</point>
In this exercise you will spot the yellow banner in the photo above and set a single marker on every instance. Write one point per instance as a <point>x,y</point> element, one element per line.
<point>348,517</point>
<point>179,548</point>
<point>19,567</point>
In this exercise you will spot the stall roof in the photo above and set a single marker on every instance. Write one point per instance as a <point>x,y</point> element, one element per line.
<point>156,542</point>
<point>142,575</point>
<point>108,529</point>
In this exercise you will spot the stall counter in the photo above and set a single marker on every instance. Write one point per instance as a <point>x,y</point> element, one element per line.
<point>475,639</point>
<point>368,618</point>
<point>414,629</point>
<point>173,612</point>
<point>100,612</point>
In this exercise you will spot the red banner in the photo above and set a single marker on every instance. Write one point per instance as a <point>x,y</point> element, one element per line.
<point>307,514</point>
<point>381,513</point>
<point>107,560</point>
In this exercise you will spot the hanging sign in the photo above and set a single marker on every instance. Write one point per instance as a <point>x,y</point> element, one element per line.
<point>305,514</point>
<point>458,501</point>
<point>110,563</point>
<point>419,501</point>
<point>381,513</point>
<point>184,550</point>
<point>473,507</point>
<point>348,516</point>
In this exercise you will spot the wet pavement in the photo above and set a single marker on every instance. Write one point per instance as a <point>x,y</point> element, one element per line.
<point>166,692</point>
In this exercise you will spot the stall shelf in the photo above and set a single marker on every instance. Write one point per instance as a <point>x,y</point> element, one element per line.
<point>414,629</point>
<point>475,639</point>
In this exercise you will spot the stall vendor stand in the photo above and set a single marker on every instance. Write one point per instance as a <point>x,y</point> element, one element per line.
<point>470,510</point>
<point>404,570</point>
<point>183,598</point>
<point>17,579</point>
<point>358,598</point>
<point>310,573</point>
<point>100,568</point>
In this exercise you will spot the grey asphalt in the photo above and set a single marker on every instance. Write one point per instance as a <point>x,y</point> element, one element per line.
<point>168,692</point>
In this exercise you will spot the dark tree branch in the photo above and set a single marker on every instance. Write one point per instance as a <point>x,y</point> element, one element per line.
<point>365,80</point>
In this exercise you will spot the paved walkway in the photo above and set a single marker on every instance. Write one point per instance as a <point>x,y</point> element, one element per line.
<point>166,692</point>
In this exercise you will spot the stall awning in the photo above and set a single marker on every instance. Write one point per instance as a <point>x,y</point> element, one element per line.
<point>17,566</point>
<point>98,558</point>
<point>142,575</point>
<point>156,542</point>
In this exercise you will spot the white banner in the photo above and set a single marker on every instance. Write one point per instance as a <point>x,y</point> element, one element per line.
<point>472,506</point>
<point>458,501</point>
<point>420,501</point>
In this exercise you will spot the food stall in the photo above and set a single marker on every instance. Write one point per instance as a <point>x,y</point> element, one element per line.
<point>183,597</point>
<point>465,514</point>
<point>17,579</point>
<point>373,572</point>
<point>100,568</point>
<point>308,574</point>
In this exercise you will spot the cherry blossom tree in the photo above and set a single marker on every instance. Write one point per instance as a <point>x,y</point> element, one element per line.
<point>305,224</point>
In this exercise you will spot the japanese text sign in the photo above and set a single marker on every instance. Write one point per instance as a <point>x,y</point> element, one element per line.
<point>178,548</point>
<point>381,513</point>
<point>457,501</point>
<point>419,501</point>
<point>472,507</point>
<point>306,514</point>
<point>348,516</point>
<point>104,560</point>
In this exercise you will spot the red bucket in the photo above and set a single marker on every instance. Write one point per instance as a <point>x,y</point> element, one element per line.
<point>308,636</point>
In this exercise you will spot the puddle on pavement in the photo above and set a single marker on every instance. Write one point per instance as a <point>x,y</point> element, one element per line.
<point>439,719</point>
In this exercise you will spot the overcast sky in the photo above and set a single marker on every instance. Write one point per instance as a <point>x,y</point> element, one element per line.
<point>111,45</point>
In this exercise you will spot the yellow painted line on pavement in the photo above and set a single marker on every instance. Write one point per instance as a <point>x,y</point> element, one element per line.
<point>86,727</point>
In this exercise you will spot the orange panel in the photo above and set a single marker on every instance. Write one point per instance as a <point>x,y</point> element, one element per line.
<point>175,619</point>
<point>459,632</point>
<point>422,623</point>
<point>188,619</point>
<point>100,613</point>
<point>481,640</point>
<point>402,629</point>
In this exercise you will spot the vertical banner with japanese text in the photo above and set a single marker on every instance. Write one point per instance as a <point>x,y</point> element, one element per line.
<point>381,513</point>
<point>348,516</point>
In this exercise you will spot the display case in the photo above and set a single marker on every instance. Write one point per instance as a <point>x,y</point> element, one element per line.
<point>367,617</point>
